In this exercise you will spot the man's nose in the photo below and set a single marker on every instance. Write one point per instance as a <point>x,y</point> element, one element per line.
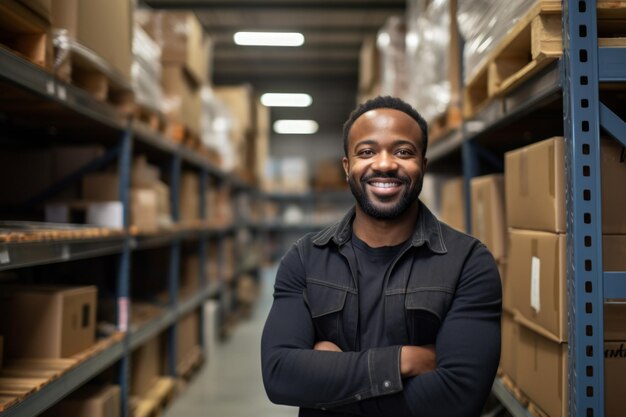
<point>385,162</point>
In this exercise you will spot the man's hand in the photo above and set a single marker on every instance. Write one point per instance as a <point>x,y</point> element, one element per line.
<point>416,360</point>
<point>326,345</point>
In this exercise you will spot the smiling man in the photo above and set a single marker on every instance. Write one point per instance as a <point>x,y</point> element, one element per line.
<point>389,312</point>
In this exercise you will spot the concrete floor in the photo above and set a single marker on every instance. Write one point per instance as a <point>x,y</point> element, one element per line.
<point>230,384</point>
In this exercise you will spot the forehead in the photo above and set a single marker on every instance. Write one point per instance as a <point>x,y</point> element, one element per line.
<point>377,122</point>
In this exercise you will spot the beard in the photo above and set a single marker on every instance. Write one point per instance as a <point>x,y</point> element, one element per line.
<point>408,197</point>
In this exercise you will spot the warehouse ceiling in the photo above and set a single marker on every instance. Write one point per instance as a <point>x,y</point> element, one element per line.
<point>326,66</point>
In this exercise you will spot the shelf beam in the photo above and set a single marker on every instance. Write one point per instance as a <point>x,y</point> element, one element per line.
<point>50,394</point>
<point>613,123</point>
<point>612,62</point>
<point>508,400</point>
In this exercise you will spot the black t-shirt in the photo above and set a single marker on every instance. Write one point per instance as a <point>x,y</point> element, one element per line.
<point>373,264</point>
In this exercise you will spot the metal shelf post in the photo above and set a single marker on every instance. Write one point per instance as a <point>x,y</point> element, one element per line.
<point>584,222</point>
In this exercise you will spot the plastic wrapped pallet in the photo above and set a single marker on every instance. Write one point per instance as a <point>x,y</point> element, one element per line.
<point>146,70</point>
<point>432,50</point>
<point>390,43</point>
<point>483,23</point>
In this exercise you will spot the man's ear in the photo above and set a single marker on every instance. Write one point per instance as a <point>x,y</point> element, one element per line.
<point>346,167</point>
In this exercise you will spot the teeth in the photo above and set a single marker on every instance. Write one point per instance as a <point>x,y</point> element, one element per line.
<point>384,184</point>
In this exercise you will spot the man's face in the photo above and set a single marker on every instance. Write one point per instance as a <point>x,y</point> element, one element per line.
<point>385,167</point>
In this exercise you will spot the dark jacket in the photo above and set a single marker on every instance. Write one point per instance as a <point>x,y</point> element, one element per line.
<point>444,289</point>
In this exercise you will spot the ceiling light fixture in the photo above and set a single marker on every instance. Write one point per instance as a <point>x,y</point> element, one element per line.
<point>286,100</point>
<point>295,127</point>
<point>269,38</point>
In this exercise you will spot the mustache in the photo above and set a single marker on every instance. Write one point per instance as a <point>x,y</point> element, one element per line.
<point>386,175</point>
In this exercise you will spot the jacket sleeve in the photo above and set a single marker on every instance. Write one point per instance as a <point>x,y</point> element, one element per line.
<point>295,374</point>
<point>467,349</point>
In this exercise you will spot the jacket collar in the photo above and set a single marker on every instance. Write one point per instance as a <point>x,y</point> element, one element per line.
<point>427,230</point>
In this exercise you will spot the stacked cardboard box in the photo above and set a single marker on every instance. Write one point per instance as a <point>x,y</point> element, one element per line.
<point>149,196</point>
<point>185,57</point>
<point>89,401</point>
<point>145,366</point>
<point>189,209</point>
<point>536,287</point>
<point>453,203</point>
<point>241,102</point>
<point>187,340</point>
<point>54,321</point>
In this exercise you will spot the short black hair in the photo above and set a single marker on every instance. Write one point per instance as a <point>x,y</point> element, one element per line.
<point>385,102</point>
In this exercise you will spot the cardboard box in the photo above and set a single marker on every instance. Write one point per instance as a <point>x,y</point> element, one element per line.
<point>181,97</point>
<point>145,366</point>
<point>543,367</point>
<point>239,100</point>
<point>453,203</point>
<point>536,274</point>
<point>144,209</point>
<point>294,175</point>
<point>369,64</point>
<point>535,187</point>
<point>144,175</point>
<point>329,175</point>
<point>105,27</point>
<point>54,321</point>
<point>188,336</point>
<point>182,40</point>
<point>510,339</point>
<point>189,197</point>
<point>101,214</point>
<point>190,276</point>
<point>89,401</point>
<point>488,216</point>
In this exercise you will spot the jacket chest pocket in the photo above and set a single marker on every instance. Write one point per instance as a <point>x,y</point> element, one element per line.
<point>425,311</point>
<point>326,305</point>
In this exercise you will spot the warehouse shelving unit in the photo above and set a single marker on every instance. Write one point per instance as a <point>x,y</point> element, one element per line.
<point>562,98</point>
<point>282,232</point>
<point>72,115</point>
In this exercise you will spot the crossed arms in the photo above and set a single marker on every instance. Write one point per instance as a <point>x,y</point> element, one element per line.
<point>453,378</point>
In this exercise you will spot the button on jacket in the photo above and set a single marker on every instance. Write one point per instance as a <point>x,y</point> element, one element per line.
<point>444,289</point>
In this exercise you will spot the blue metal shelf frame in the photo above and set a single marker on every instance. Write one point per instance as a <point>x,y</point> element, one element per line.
<point>123,273</point>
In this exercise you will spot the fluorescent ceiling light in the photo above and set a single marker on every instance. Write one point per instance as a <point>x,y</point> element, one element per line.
<point>286,100</point>
<point>295,127</point>
<point>269,38</point>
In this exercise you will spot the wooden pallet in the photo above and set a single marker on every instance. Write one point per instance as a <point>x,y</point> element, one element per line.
<point>191,364</point>
<point>534,42</point>
<point>154,402</point>
<point>150,117</point>
<point>20,378</point>
<point>444,124</point>
<point>25,33</point>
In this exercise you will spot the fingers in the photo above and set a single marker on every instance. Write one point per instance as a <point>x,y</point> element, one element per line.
<point>326,346</point>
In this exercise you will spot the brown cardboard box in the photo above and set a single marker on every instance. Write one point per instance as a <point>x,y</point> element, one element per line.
<point>54,321</point>
<point>89,401</point>
<point>182,98</point>
<point>369,64</point>
<point>105,27</point>
<point>329,175</point>
<point>64,15</point>
<point>42,7</point>
<point>144,175</point>
<point>541,297</point>
<point>188,336</point>
<point>189,278</point>
<point>535,187</point>
<point>144,209</point>
<point>542,375</point>
<point>240,102</point>
<point>182,40</point>
<point>510,339</point>
<point>189,197</point>
<point>453,203</point>
<point>145,366</point>
<point>488,216</point>
<point>536,274</point>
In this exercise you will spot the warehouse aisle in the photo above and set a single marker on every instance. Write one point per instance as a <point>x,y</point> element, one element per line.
<point>231,385</point>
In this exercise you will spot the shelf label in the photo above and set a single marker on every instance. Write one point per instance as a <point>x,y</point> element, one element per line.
<point>5,258</point>
<point>65,252</point>
<point>122,314</point>
<point>61,93</point>
<point>535,282</point>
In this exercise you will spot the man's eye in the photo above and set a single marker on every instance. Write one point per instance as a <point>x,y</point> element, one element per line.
<point>366,152</point>
<point>404,152</point>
